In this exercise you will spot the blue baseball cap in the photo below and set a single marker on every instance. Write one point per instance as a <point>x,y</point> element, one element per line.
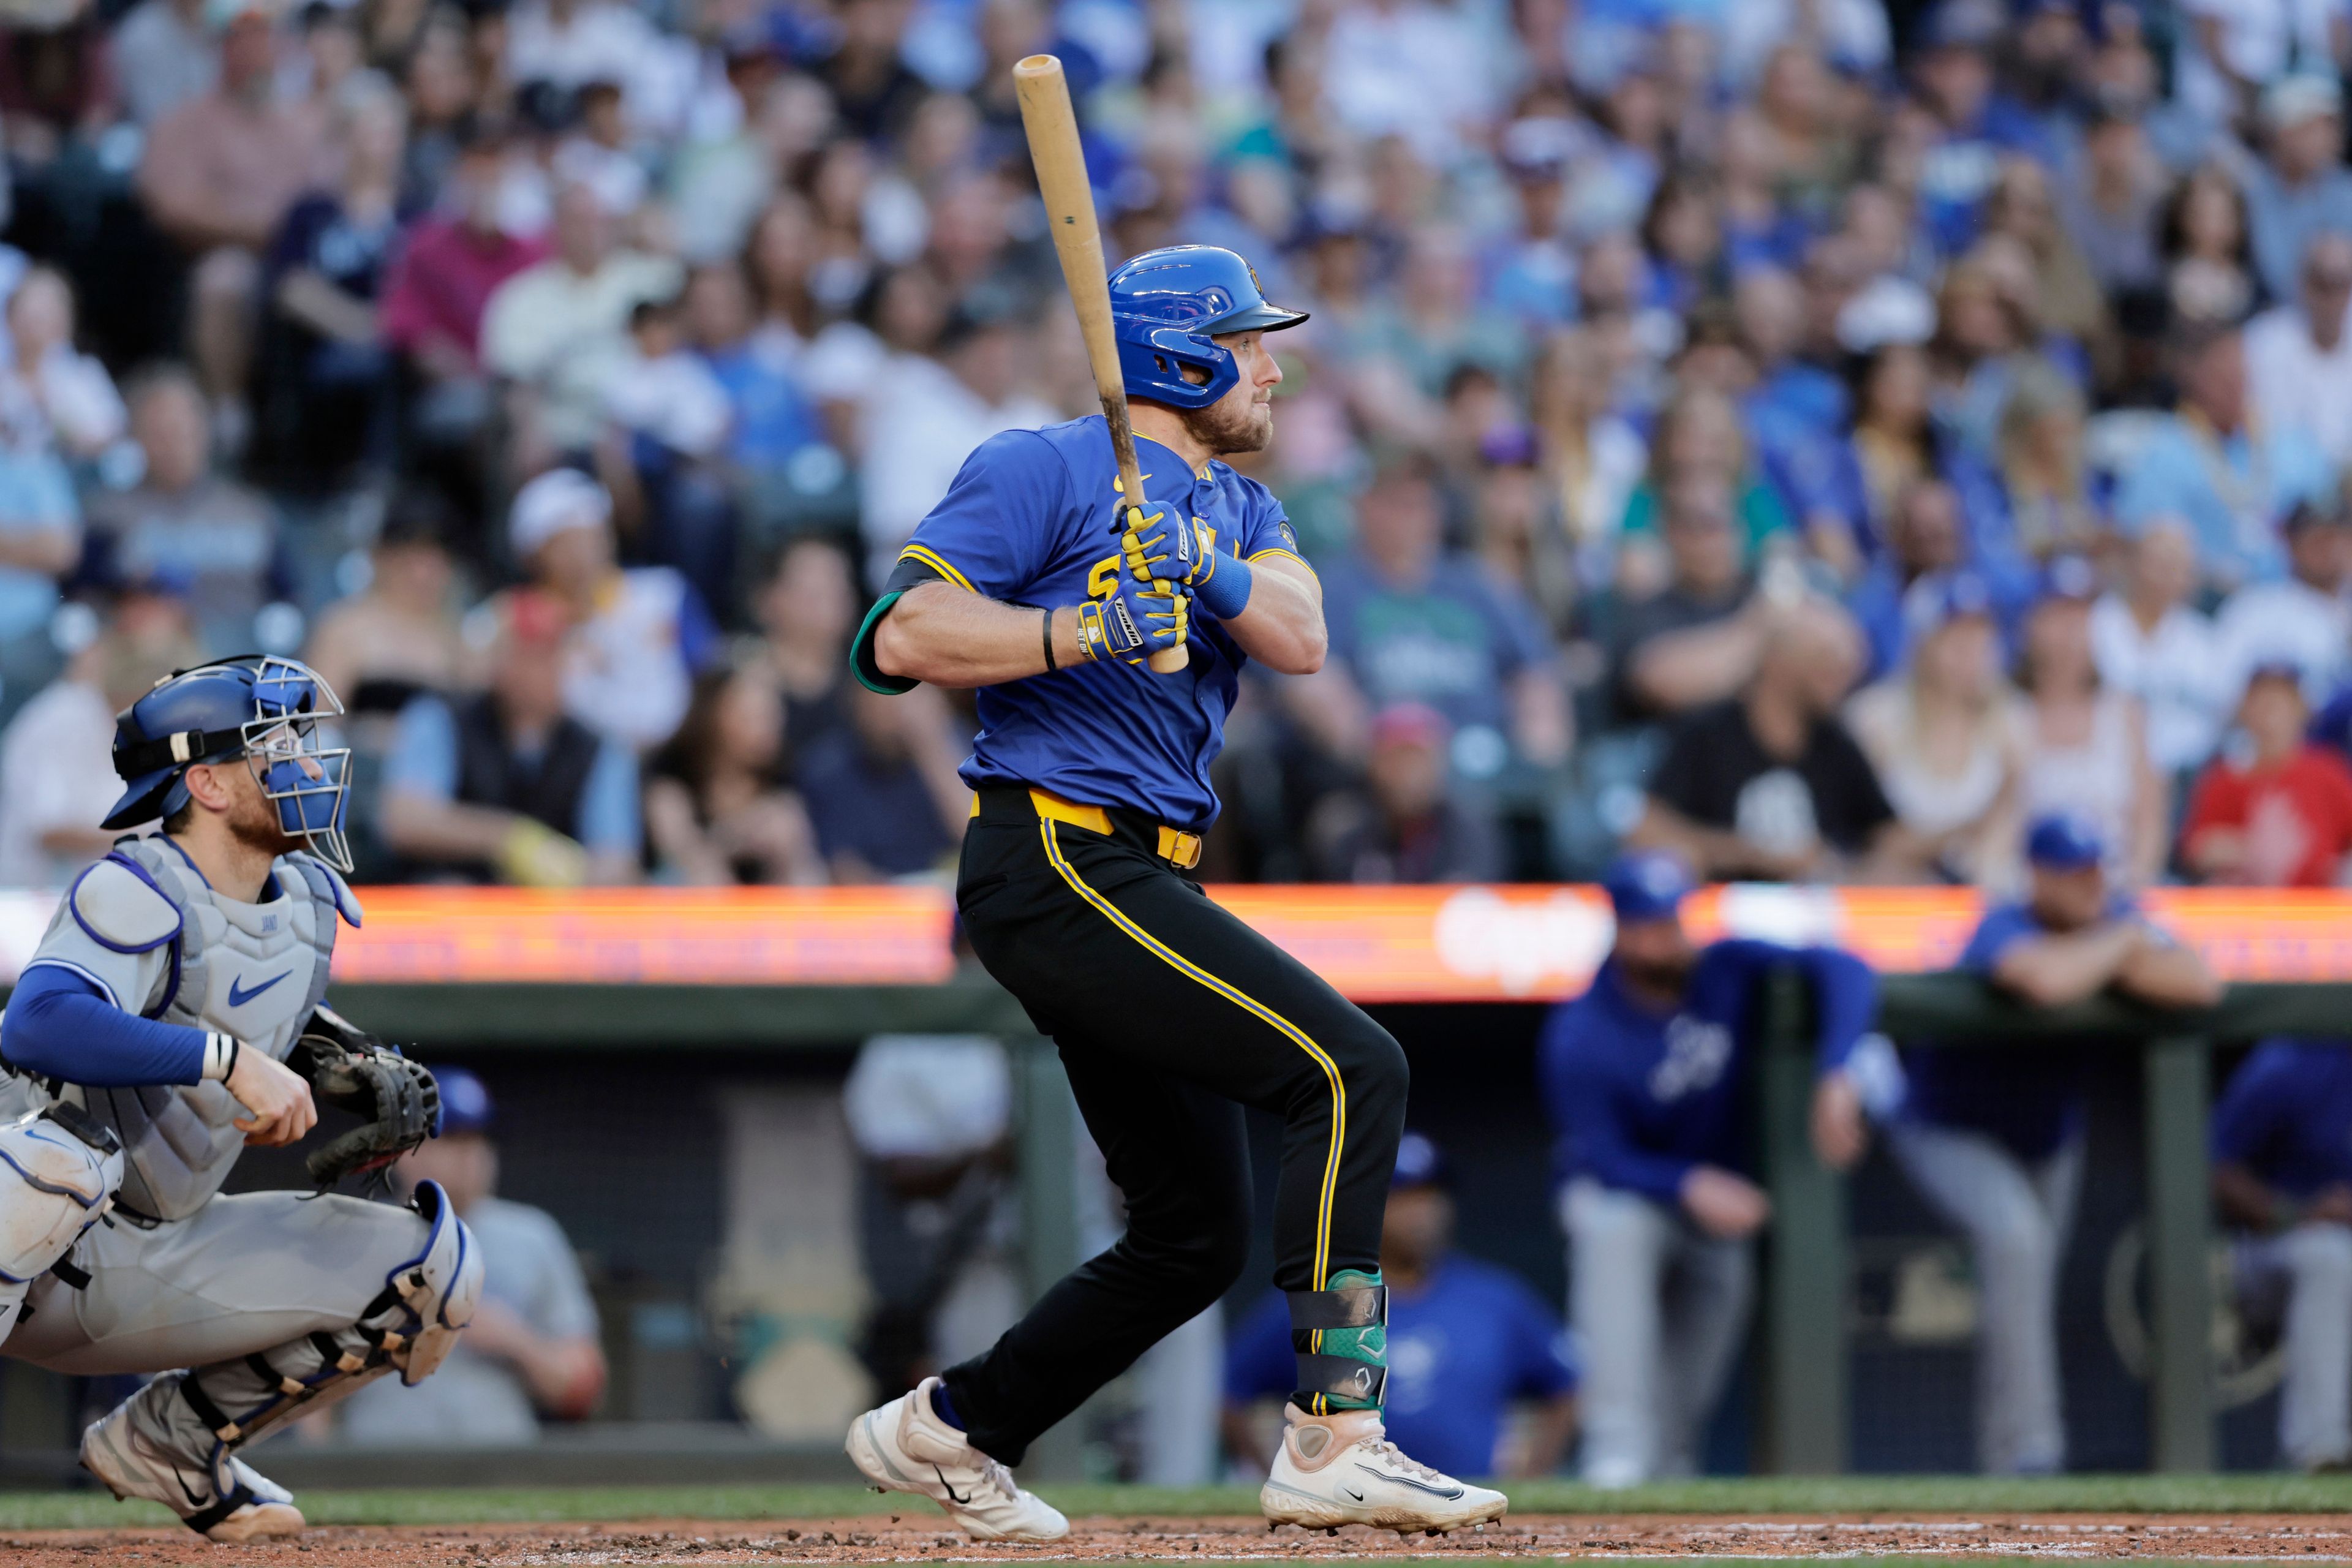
<point>1420,1163</point>
<point>2062,841</point>
<point>466,1105</point>
<point>1942,597</point>
<point>1646,885</point>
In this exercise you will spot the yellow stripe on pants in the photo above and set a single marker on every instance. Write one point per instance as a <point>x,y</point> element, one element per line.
<point>1046,828</point>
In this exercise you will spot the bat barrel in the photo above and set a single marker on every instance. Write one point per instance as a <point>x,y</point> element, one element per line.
<point>1051,125</point>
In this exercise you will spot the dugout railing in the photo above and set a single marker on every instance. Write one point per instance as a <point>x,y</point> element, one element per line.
<point>1808,1279</point>
<point>1808,1282</point>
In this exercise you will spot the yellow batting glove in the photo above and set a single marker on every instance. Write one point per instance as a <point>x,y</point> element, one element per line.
<point>1163,547</point>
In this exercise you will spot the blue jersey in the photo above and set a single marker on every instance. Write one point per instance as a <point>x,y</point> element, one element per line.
<point>2029,1098</point>
<point>1030,520</point>
<point>1638,1096</point>
<point>1472,1338</point>
<point>2287,1116</point>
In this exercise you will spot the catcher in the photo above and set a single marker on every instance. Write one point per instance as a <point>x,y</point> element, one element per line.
<point>170,1016</point>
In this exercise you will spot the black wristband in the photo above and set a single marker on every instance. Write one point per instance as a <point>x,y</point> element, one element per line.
<point>1050,666</point>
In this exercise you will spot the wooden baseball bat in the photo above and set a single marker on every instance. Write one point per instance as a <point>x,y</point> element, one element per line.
<point>1052,130</point>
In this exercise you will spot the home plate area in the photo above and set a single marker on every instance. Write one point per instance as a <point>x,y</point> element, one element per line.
<point>915,1538</point>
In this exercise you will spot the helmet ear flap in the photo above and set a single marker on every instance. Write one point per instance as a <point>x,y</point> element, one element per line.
<point>1154,358</point>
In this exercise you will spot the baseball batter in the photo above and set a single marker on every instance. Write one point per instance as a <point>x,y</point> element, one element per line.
<point>147,1042</point>
<point>1091,776</point>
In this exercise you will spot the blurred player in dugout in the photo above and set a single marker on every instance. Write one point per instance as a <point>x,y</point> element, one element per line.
<point>541,1355</point>
<point>2283,1177</point>
<point>1994,1138</point>
<point>1466,1341</point>
<point>1648,1079</point>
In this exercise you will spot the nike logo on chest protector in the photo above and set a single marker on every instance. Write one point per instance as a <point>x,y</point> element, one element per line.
<point>239,995</point>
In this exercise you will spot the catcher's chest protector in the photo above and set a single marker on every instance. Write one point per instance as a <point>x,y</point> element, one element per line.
<point>255,971</point>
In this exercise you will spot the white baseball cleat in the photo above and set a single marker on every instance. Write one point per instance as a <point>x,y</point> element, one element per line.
<point>904,1447</point>
<point>1341,1469</point>
<point>255,1509</point>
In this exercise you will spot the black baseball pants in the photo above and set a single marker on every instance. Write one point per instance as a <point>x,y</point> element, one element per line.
<point>1170,1015</point>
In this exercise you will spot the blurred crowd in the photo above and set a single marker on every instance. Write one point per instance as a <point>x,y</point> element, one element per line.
<point>1814,436</point>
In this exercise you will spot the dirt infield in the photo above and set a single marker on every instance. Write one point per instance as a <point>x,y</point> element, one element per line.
<point>913,1537</point>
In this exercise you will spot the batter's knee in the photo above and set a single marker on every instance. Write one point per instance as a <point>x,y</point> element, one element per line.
<point>1196,1250</point>
<point>1354,1059</point>
<point>1382,1073</point>
<point>1377,1083</point>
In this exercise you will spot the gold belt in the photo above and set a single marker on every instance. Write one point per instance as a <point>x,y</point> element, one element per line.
<point>1178,848</point>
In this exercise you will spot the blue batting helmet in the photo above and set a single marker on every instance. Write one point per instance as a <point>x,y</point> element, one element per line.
<point>1166,307</point>
<point>263,708</point>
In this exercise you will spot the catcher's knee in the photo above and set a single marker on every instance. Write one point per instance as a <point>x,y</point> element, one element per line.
<point>434,1294</point>
<point>408,1327</point>
<point>59,1170</point>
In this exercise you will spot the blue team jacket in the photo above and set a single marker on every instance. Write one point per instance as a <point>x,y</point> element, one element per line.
<point>1638,1097</point>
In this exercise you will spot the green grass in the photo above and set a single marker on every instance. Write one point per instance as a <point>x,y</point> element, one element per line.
<point>1922,1496</point>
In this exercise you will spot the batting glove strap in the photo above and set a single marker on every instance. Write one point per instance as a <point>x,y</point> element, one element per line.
<point>1223,586</point>
<point>1140,619</point>
<point>1093,637</point>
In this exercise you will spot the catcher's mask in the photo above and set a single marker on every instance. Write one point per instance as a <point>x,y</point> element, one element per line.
<point>267,709</point>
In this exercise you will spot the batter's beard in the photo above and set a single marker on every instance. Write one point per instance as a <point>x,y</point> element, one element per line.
<point>1225,427</point>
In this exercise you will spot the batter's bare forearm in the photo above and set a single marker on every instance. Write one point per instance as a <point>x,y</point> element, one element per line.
<point>944,636</point>
<point>1282,625</point>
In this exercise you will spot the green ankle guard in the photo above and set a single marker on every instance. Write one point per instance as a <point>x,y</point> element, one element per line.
<point>1341,1338</point>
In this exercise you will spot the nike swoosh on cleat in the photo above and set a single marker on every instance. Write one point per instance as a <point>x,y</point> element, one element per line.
<point>964,1501</point>
<point>1408,1481</point>
<point>1353,1493</point>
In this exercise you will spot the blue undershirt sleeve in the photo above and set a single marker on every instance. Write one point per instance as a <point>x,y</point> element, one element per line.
<point>1845,991</point>
<point>60,1025</point>
<point>1616,1160</point>
<point>1845,1000</point>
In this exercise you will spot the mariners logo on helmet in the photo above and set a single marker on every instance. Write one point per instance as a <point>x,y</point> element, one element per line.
<point>266,709</point>
<point>1169,306</point>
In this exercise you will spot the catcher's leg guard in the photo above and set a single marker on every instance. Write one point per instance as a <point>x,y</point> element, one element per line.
<point>59,1170</point>
<point>408,1327</point>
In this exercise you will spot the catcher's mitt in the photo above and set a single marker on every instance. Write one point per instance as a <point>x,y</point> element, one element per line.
<point>352,1071</point>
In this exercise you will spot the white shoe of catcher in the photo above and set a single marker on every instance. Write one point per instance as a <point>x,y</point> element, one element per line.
<point>257,1508</point>
<point>1341,1469</point>
<point>904,1447</point>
